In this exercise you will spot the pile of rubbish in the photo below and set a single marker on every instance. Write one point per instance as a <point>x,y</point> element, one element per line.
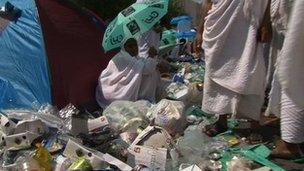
<point>187,83</point>
<point>127,136</point>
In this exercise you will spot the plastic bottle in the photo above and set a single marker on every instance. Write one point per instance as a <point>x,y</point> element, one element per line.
<point>43,157</point>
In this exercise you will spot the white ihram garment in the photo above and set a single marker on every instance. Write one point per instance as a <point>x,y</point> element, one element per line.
<point>235,67</point>
<point>280,12</point>
<point>291,78</point>
<point>151,79</point>
<point>122,79</point>
<point>147,40</point>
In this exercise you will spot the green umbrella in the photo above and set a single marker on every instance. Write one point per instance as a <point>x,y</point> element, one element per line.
<point>133,21</point>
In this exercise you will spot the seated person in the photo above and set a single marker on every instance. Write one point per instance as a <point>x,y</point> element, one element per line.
<point>124,75</point>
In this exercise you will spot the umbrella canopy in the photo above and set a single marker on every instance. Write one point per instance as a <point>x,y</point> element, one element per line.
<point>168,39</point>
<point>133,21</point>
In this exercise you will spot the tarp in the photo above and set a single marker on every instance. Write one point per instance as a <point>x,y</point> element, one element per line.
<point>74,52</point>
<point>24,78</point>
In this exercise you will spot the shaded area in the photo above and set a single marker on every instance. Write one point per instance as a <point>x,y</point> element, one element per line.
<point>73,45</point>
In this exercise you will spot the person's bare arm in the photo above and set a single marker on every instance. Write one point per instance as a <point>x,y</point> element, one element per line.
<point>200,29</point>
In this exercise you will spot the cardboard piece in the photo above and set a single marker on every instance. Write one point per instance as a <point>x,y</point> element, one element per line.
<point>98,160</point>
<point>154,158</point>
<point>97,124</point>
<point>74,150</point>
<point>148,150</point>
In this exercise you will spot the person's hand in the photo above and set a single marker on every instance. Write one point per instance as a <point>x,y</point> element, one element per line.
<point>162,67</point>
<point>152,52</point>
<point>197,44</point>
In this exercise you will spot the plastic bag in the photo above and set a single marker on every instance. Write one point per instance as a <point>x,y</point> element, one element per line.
<point>195,146</point>
<point>195,96</point>
<point>191,145</point>
<point>45,115</point>
<point>127,116</point>
<point>239,164</point>
<point>169,115</point>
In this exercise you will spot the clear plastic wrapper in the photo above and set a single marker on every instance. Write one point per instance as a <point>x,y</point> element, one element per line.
<point>66,114</point>
<point>192,144</point>
<point>17,160</point>
<point>196,146</point>
<point>52,121</point>
<point>48,110</point>
<point>20,114</point>
<point>239,164</point>
<point>46,114</point>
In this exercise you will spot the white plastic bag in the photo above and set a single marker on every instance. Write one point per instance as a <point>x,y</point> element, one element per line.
<point>169,115</point>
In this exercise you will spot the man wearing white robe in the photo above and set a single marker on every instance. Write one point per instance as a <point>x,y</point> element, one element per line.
<point>123,77</point>
<point>150,41</point>
<point>235,67</point>
<point>291,79</point>
<point>280,11</point>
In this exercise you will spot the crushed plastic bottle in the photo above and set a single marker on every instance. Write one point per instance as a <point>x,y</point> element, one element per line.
<point>43,157</point>
<point>82,164</point>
